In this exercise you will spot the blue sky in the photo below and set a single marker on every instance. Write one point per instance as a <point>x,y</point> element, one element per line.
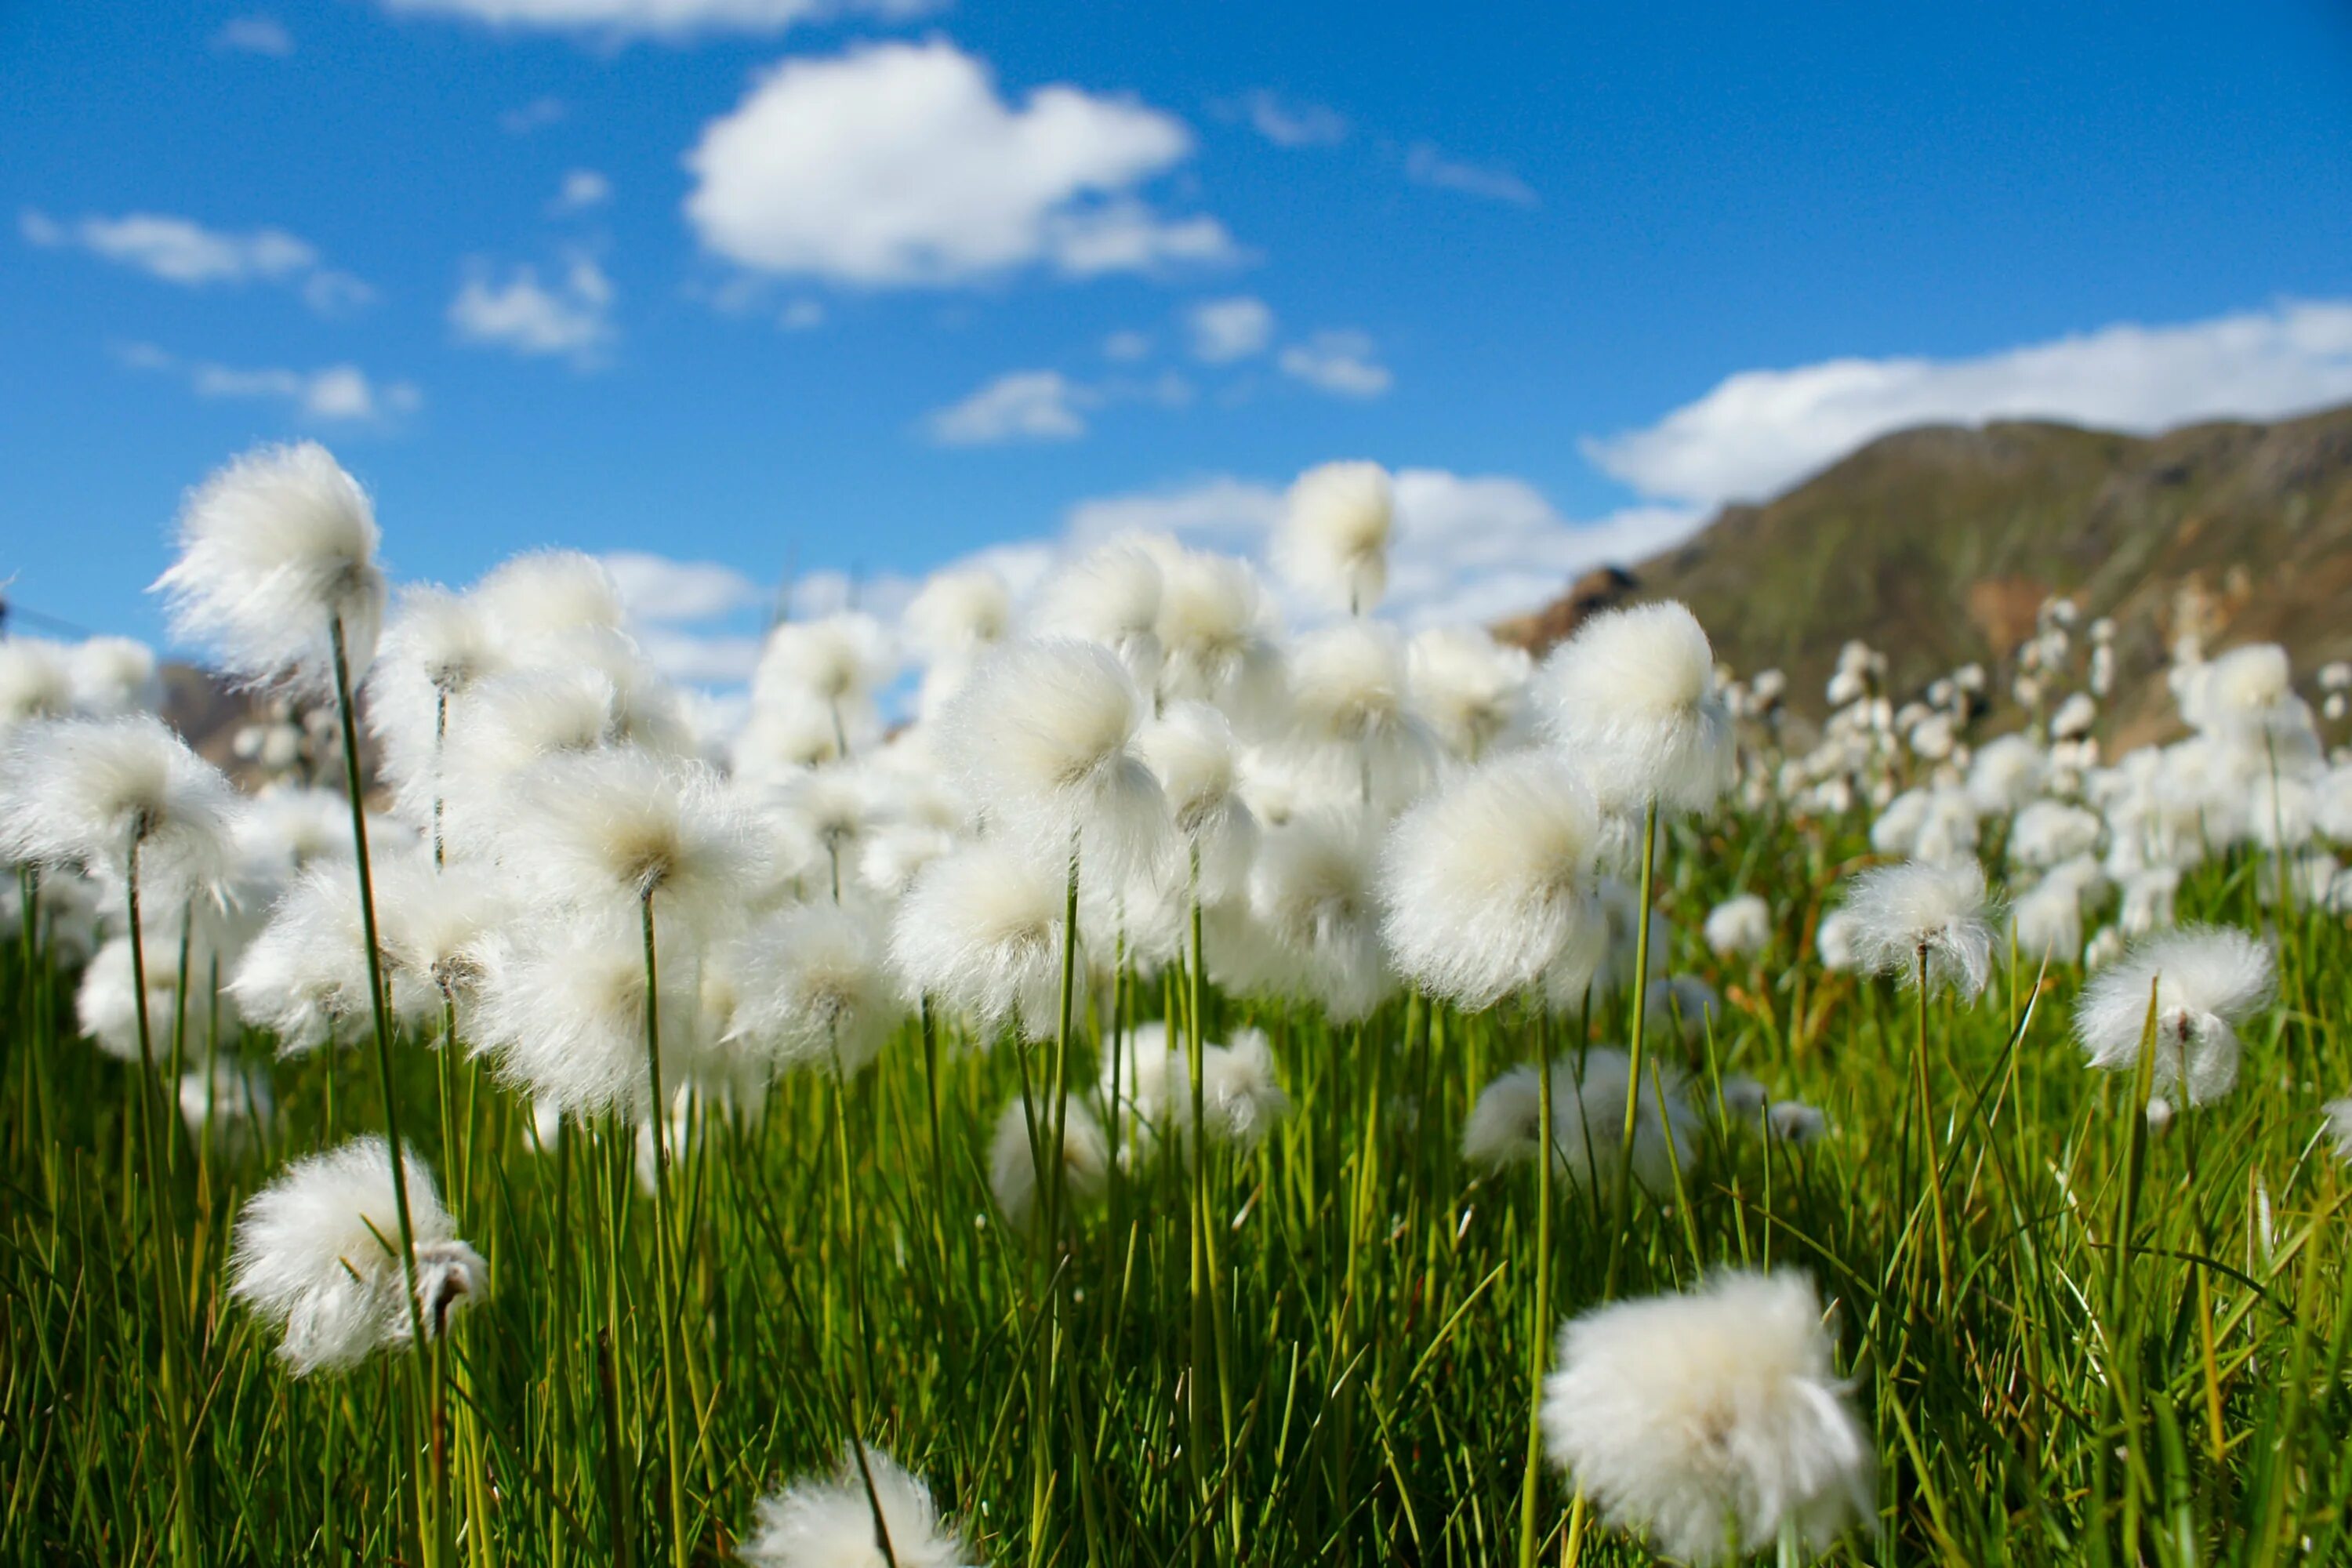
<point>865,287</point>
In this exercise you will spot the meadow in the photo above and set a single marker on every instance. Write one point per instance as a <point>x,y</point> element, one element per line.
<point>1221,1233</point>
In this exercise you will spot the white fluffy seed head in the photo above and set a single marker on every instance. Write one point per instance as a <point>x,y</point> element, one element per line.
<point>2338,1127</point>
<point>78,793</point>
<point>1110,598</point>
<point>561,1014</point>
<point>107,1002</point>
<point>1739,926</point>
<point>315,1257</point>
<point>1711,1422</point>
<point>828,1521</point>
<point>2049,831</point>
<point>979,931</point>
<point>2202,980</point>
<point>1940,908</point>
<point>2046,922</point>
<point>438,647</point>
<point>537,603</point>
<point>2245,691</point>
<point>1189,748</point>
<point>1334,538</point>
<point>304,977</point>
<point>275,550</point>
<point>2007,773</point>
<point>1468,687</point>
<point>1217,636</point>
<point>1242,1097</point>
<point>111,677</point>
<point>1347,698</point>
<point>959,613</point>
<point>813,988</point>
<point>837,661</point>
<point>1488,887</point>
<point>1505,1125</point>
<point>603,830</point>
<point>35,683</point>
<point>1632,699</point>
<point>1042,739</point>
<point>1835,940</point>
<point>1313,926</point>
<point>1012,1162</point>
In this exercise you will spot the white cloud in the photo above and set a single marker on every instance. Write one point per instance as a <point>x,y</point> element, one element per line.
<point>572,317</point>
<point>1761,430</point>
<point>1344,363</point>
<point>254,36</point>
<point>183,251</point>
<point>656,18</point>
<point>1020,405</point>
<point>581,190</point>
<point>1468,548</point>
<point>538,114</point>
<point>1425,166</point>
<point>801,315</point>
<point>1294,125</point>
<point>1227,329</point>
<point>339,393</point>
<point>897,164</point>
<point>701,660</point>
<point>1126,345</point>
<point>660,591</point>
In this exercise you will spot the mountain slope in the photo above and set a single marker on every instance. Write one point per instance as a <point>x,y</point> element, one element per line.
<point>1936,544</point>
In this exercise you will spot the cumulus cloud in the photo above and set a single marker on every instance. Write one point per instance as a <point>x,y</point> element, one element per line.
<point>898,165</point>
<point>254,36</point>
<point>184,252</point>
<point>1287,124</point>
<point>1425,166</point>
<point>570,317</point>
<point>581,189</point>
<point>656,18</point>
<point>536,115</point>
<point>1466,548</point>
<point>1223,330</point>
<point>1761,430</point>
<point>337,394</point>
<point>660,591</point>
<point>1020,405</point>
<point>1344,363</point>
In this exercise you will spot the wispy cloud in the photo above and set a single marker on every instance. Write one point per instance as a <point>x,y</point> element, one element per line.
<point>253,35</point>
<point>184,252</point>
<point>1293,125</point>
<point>536,115</point>
<point>671,19</point>
<point>336,394</point>
<point>1343,362</point>
<point>1223,330</point>
<point>581,190</point>
<point>1425,166</point>
<point>570,317</point>
<point>1020,405</point>
<point>1761,430</point>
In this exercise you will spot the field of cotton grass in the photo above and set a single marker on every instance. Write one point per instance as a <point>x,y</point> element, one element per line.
<point>1066,1082</point>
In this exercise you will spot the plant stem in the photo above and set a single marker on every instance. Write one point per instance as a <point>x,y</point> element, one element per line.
<point>664,1306</point>
<point>1540,1324</point>
<point>170,1281</point>
<point>1625,1195</point>
<point>380,1014</point>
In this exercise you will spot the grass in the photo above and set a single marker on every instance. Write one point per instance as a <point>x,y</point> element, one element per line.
<point>2139,1357</point>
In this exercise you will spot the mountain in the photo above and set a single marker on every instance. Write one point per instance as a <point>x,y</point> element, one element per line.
<point>1937,545</point>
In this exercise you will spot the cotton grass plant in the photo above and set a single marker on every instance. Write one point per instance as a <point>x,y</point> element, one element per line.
<point>1156,1086</point>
